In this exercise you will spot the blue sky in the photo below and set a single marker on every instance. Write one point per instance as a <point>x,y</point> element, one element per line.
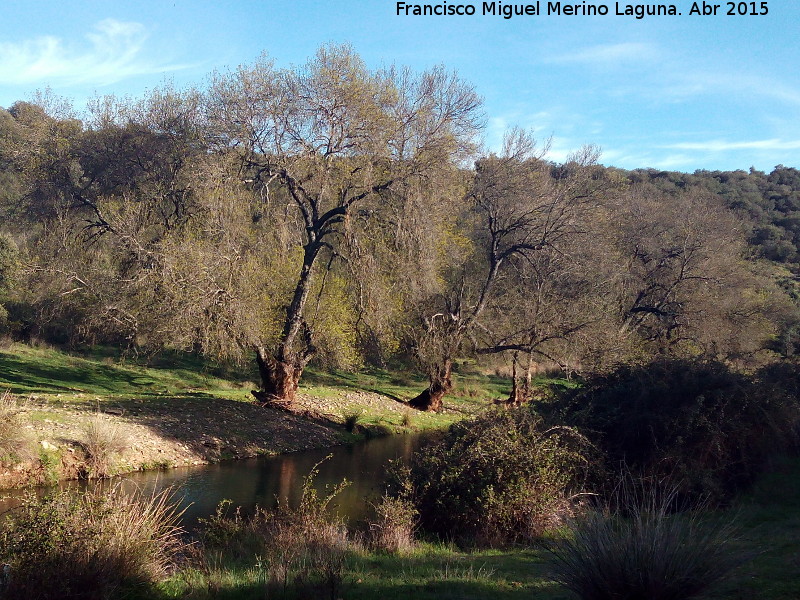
<point>672,92</point>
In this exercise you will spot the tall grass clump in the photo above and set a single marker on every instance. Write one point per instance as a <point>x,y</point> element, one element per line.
<point>352,420</point>
<point>500,478</point>
<point>88,545</point>
<point>298,551</point>
<point>15,442</point>
<point>101,441</point>
<point>392,528</point>
<point>642,549</point>
<point>407,419</point>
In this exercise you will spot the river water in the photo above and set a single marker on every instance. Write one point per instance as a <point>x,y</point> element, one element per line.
<point>262,481</point>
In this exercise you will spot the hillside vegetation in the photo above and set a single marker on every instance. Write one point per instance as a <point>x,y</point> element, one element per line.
<point>289,258</point>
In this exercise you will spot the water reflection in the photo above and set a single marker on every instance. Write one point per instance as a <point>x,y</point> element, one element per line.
<point>261,481</point>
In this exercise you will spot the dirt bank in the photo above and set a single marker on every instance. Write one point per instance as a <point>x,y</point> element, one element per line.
<point>140,434</point>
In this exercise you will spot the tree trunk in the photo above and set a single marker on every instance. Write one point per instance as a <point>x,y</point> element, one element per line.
<point>280,371</point>
<point>517,396</point>
<point>279,380</point>
<point>528,375</point>
<point>430,400</point>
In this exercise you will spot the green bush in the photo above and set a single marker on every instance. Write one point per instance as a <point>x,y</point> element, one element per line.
<point>642,549</point>
<point>392,529</point>
<point>298,551</point>
<point>696,422</point>
<point>87,546</point>
<point>499,478</point>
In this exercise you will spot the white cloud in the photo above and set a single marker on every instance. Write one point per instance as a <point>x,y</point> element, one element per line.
<point>114,53</point>
<point>610,54</point>
<point>735,83</point>
<point>726,146</point>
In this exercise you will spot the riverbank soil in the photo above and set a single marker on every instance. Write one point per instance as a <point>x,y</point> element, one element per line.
<point>92,416</point>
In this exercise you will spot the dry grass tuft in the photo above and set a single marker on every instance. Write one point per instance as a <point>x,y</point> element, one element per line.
<point>642,549</point>
<point>88,545</point>
<point>352,419</point>
<point>407,420</point>
<point>102,440</point>
<point>16,444</point>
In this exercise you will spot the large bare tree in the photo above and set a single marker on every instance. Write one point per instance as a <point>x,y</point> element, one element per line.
<point>334,137</point>
<point>519,206</point>
<point>685,286</point>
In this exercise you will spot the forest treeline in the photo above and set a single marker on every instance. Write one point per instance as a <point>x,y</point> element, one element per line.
<point>346,215</point>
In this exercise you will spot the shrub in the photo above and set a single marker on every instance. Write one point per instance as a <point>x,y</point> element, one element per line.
<point>301,550</point>
<point>696,422</point>
<point>642,549</point>
<point>495,479</point>
<point>69,545</point>
<point>351,420</point>
<point>15,442</point>
<point>102,440</point>
<point>392,530</point>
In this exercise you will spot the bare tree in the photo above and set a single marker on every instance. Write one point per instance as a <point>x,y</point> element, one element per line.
<point>518,209</point>
<point>552,308</point>
<point>685,287</point>
<point>334,136</point>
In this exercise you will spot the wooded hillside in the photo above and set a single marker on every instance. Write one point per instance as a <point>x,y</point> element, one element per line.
<point>344,215</point>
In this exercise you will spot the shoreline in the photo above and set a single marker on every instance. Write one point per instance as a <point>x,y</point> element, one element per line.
<point>193,430</point>
<point>67,416</point>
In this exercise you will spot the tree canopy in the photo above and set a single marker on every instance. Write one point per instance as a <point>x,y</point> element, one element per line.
<point>343,214</point>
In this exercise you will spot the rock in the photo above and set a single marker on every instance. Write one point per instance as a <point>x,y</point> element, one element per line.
<point>48,446</point>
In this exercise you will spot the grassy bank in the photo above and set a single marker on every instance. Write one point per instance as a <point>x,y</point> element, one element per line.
<point>766,529</point>
<point>100,413</point>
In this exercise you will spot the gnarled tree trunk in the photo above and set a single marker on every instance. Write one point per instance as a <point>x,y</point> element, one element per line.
<point>279,379</point>
<point>440,384</point>
<point>280,370</point>
<point>519,393</point>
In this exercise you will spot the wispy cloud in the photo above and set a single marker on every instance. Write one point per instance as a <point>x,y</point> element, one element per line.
<point>664,76</point>
<point>609,54</point>
<point>726,146</point>
<point>635,158</point>
<point>114,52</point>
<point>742,84</point>
<point>554,130</point>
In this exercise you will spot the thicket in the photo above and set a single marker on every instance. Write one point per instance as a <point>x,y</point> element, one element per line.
<point>500,478</point>
<point>299,551</point>
<point>509,475</point>
<point>88,546</point>
<point>699,423</point>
